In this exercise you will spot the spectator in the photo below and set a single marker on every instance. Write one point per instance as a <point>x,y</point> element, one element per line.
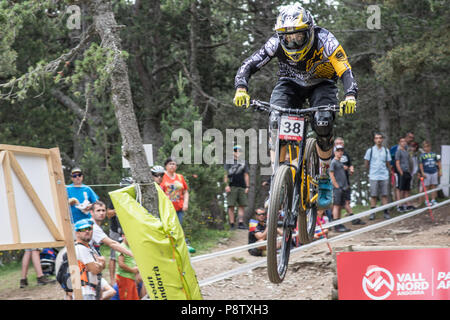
<point>409,136</point>
<point>258,233</point>
<point>33,255</point>
<point>321,220</point>
<point>99,237</point>
<point>90,263</point>
<point>107,291</point>
<point>237,185</point>
<point>115,230</point>
<point>403,163</point>
<point>176,188</point>
<point>349,170</point>
<point>157,174</point>
<point>81,197</point>
<point>377,160</point>
<point>414,153</point>
<point>430,168</point>
<point>126,276</point>
<point>340,186</point>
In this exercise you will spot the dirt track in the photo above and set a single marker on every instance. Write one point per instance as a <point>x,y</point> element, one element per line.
<point>310,273</point>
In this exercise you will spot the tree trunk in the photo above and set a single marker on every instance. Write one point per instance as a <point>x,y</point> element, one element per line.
<point>133,150</point>
<point>383,115</point>
<point>193,40</point>
<point>149,79</point>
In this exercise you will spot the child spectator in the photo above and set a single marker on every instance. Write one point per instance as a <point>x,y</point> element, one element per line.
<point>126,274</point>
<point>340,186</point>
<point>430,168</point>
<point>321,220</point>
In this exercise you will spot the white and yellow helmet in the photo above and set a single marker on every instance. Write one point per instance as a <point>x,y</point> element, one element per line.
<point>295,28</point>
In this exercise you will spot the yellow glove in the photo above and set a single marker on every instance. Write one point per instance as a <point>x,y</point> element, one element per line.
<point>348,106</point>
<point>241,98</point>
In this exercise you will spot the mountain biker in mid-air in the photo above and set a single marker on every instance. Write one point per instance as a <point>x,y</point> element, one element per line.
<point>310,61</point>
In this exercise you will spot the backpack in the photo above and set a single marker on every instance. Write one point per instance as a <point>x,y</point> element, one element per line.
<point>63,274</point>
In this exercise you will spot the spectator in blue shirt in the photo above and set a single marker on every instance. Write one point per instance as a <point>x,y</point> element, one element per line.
<point>430,168</point>
<point>377,160</point>
<point>81,197</point>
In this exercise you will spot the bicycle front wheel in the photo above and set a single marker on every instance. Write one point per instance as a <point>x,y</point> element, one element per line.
<point>307,217</point>
<point>279,221</point>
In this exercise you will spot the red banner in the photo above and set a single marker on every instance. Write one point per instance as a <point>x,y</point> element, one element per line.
<point>419,274</point>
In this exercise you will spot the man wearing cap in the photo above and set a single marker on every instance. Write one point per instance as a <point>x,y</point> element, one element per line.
<point>81,197</point>
<point>237,185</point>
<point>90,263</point>
<point>340,186</point>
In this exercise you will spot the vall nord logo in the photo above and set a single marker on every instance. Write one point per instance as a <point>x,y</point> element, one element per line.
<point>378,283</point>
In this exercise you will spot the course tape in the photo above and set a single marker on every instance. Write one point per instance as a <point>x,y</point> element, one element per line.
<point>325,226</point>
<point>254,265</point>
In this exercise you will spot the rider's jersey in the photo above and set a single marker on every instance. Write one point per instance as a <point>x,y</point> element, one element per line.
<point>325,61</point>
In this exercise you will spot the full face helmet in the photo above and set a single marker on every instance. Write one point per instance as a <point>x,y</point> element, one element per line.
<point>295,29</point>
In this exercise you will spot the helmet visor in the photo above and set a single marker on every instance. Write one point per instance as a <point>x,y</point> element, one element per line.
<point>294,40</point>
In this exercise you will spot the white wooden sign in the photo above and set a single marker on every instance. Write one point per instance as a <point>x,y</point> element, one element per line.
<point>34,210</point>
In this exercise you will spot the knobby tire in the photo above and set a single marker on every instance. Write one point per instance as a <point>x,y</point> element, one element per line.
<point>279,211</point>
<point>306,221</point>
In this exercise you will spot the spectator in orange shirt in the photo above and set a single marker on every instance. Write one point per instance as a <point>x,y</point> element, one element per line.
<point>176,188</point>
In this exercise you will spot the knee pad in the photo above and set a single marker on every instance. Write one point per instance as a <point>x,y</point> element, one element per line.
<point>323,123</point>
<point>324,147</point>
<point>323,126</point>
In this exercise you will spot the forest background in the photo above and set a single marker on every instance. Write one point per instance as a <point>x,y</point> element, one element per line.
<point>182,56</point>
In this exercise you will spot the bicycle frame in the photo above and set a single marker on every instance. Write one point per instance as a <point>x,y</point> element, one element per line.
<point>298,175</point>
<point>290,203</point>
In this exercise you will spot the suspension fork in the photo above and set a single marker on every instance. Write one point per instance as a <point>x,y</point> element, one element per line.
<point>298,179</point>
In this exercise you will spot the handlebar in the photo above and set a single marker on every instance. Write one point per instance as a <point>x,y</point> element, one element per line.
<point>266,106</point>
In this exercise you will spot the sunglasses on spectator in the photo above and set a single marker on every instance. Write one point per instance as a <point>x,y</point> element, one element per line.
<point>260,214</point>
<point>76,175</point>
<point>85,229</point>
<point>159,175</point>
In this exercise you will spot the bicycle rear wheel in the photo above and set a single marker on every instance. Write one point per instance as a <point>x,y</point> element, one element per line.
<point>279,217</point>
<point>307,216</point>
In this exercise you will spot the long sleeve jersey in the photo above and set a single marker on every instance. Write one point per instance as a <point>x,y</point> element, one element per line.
<point>325,61</point>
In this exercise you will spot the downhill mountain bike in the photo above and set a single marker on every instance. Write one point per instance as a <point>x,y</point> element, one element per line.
<point>294,185</point>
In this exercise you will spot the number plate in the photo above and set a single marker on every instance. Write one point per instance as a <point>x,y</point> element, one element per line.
<point>291,128</point>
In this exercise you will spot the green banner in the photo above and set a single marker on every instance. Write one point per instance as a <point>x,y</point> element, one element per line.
<point>158,246</point>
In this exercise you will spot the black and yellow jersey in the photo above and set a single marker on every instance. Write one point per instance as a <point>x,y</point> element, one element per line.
<point>325,61</point>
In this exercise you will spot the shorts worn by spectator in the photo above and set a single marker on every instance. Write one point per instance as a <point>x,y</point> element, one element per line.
<point>237,185</point>
<point>377,160</point>
<point>33,255</point>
